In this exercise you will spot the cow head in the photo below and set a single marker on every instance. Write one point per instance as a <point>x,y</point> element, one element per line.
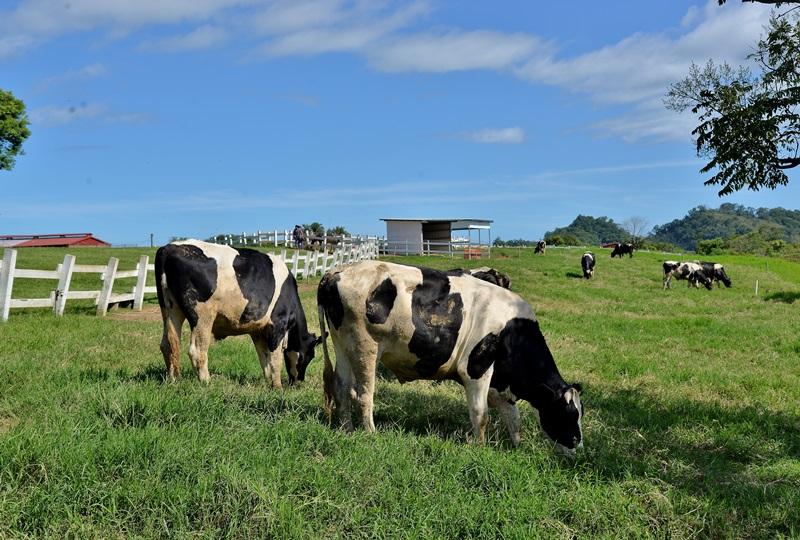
<point>703,278</point>
<point>297,361</point>
<point>560,413</point>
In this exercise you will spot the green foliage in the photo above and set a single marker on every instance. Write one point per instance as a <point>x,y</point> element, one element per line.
<point>651,245</point>
<point>563,240</point>
<point>589,230</point>
<point>749,127</point>
<point>338,230</point>
<point>93,444</point>
<point>710,247</point>
<point>315,228</point>
<point>728,220</point>
<point>13,129</point>
<point>518,242</point>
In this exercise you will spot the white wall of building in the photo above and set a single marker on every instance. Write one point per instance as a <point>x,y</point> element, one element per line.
<point>404,233</point>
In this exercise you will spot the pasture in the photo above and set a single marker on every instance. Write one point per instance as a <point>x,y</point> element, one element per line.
<point>692,425</point>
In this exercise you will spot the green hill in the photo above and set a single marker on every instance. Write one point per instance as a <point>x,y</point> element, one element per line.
<point>728,220</point>
<point>588,230</point>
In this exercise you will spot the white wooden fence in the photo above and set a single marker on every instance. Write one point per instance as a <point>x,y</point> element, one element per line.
<point>302,266</point>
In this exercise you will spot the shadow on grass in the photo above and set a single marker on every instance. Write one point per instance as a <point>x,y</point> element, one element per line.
<point>787,297</point>
<point>421,413</point>
<point>726,455</point>
<point>574,275</point>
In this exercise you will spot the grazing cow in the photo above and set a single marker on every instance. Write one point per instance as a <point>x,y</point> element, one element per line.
<point>223,292</point>
<point>484,273</point>
<point>692,272</point>
<point>425,324</point>
<point>541,246</point>
<point>587,264</point>
<point>716,272</point>
<point>622,249</point>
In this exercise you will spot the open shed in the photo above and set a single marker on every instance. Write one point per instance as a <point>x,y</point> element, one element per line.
<point>419,236</point>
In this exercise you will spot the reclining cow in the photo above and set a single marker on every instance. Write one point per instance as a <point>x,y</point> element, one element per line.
<point>541,247</point>
<point>622,249</point>
<point>223,292</point>
<point>587,264</point>
<point>716,272</point>
<point>485,273</point>
<point>425,324</point>
<point>692,272</point>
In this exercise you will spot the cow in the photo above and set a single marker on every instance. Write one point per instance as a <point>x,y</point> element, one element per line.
<point>541,246</point>
<point>587,264</point>
<point>422,323</point>
<point>485,273</point>
<point>223,292</point>
<point>622,249</point>
<point>716,272</point>
<point>692,272</point>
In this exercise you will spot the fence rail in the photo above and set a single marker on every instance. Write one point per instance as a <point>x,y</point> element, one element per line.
<point>302,266</point>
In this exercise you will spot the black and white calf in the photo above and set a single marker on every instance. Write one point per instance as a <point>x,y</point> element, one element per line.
<point>541,246</point>
<point>485,273</point>
<point>692,272</point>
<point>716,272</point>
<point>223,292</point>
<point>587,264</point>
<point>425,324</point>
<point>622,249</point>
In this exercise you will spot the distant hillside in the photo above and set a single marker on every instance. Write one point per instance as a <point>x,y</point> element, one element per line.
<point>587,230</point>
<point>728,220</point>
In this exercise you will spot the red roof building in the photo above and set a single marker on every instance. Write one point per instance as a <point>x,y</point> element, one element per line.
<point>51,240</point>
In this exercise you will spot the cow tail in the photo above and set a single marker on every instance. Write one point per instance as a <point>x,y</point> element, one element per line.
<point>159,268</point>
<point>328,376</point>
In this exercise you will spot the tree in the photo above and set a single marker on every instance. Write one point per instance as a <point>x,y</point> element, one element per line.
<point>316,229</point>
<point>13,129</point>
<point>338,231</point>
<point>637,228</point>
<point>749,125</point>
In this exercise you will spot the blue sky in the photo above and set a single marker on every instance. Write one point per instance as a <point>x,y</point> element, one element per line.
<point>193,117</point>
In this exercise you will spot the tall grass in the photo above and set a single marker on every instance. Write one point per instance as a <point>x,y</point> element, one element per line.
<point>692,424</point>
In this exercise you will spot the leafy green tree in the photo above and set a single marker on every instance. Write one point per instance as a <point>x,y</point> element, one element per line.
<point>316,229</point>
<point>13,129</point>
<point>749,126</point>
<point>338,230</point>
<point>589,230</point>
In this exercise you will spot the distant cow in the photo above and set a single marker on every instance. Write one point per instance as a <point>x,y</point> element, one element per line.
<point>622,249</point>
<point>541,246</point>
<point>223,292</point>
<point>693,273</point>
<point>425,324</point>
<point>490,275</point>
<point>716,272</point>
<point>587,264</point>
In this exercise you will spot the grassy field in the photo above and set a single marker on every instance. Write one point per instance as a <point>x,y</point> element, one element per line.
<point>692,425</point>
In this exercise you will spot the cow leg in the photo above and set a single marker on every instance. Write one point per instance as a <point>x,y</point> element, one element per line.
<point>171,343</point>
<point>509,412</point>
<point>270,360</point>
<point>365,388</point>
<point>477,391</point>
<point>344,391</point>
<point>198,349</point>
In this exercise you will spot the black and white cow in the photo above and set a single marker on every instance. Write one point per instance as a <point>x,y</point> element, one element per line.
<point>223,292</point>
<point>716,272</point>
<point>425,324</point>
<point>485,273</point>
<point>692,272</point>
<point>587,264</point>
<point>541,246</point>
<point>622,249</point>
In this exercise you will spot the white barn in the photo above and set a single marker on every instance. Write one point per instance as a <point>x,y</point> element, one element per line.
<point>417,236</point>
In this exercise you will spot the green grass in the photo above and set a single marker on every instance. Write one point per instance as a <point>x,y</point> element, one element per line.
<point>692,424</point>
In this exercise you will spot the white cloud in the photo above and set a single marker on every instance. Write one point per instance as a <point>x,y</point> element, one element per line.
<point>509,135</point>
<point>86,72</point>
<point>454,51</point>
<point>202,37</point>
<point>58,115</point>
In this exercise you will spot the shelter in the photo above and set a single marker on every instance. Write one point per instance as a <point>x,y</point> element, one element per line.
<point>51,240</point>
<point>432,235</point>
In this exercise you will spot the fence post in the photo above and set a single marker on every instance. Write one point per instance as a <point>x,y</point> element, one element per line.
<point>108,286</point>
<point>283,255</point>
<point>63,285</point>
<point>141,280</point>
<point>275,237</point>
<point>7,282</point>
<point>295,262</point>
